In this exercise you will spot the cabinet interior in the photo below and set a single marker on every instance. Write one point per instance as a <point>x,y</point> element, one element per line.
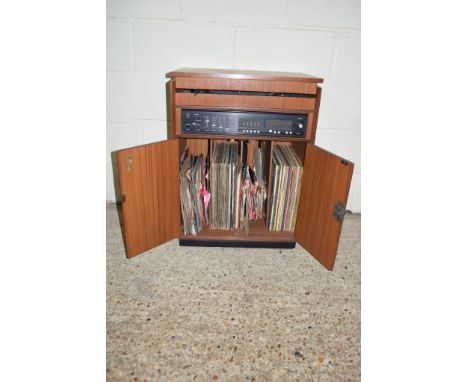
<point>258,228</point>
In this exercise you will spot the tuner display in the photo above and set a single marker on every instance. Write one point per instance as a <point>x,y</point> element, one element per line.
<point>278,123</point>
<point>243,123</point>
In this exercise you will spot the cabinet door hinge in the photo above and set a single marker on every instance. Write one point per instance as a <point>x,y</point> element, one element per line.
<point>129,162</point>
<point>123,197</point>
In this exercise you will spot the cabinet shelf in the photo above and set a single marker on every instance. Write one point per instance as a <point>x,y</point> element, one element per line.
<point>257,232</point>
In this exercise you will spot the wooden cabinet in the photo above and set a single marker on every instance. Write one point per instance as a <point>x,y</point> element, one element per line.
<point>149,174</point>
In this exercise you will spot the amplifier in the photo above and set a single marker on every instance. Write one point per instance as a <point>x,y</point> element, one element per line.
<point>244,123</point>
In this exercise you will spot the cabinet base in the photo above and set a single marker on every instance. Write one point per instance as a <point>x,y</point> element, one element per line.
<point>237,243</point>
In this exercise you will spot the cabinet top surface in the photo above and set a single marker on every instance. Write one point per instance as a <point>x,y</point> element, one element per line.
<point>244,75</point>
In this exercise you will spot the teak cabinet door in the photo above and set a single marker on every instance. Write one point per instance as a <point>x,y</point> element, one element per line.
<point>326,180</point>
<point>149,182</point>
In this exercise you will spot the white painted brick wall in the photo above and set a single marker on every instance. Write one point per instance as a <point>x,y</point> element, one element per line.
<point>162,46</point>
<point>136,96</point>
<point>326,13</point>
<point>265,12</point>
<point>146,9</point>
<point>119,46</point>
<point>148,38</point>
<point>279,48</point>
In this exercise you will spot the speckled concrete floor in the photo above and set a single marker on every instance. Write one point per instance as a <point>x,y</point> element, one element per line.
<point>186,313</point>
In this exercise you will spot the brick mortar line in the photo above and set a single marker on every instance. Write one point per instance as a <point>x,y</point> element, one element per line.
<point>242,25</point>
<point>234,48</point>
<point>132,44</point>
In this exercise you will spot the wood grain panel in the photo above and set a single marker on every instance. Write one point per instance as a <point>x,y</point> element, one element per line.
<point>312,127</point>
<point>326,180</point>
<point>173,110</point>
<point>176,128</point>
<point>247,108</point>
<point>246,85</point>
<point>234,101</point>
<point>300,149</point>
<point>244,74</point>
<point>243,137</point>
<point>310,121</point>
<point>257,232</point>
<point>252,145</point>
<point>149,182</point>
<point>197,146</point>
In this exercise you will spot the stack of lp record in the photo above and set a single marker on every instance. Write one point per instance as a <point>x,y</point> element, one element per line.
<point>253,190</point>
<point>225,181</point>
<point>194,194</point>
<point>285,188</point>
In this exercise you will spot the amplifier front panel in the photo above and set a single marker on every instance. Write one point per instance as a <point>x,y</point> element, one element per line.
<point>205,122</point>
